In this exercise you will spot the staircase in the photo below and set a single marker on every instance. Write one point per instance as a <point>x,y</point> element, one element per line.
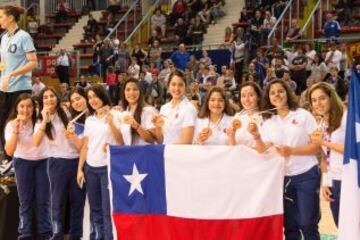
<point>75,33</point>
<point>215,33</point>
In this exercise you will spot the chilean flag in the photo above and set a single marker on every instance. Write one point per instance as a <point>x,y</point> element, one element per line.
<point>185,192</point>
<point>349,216</point>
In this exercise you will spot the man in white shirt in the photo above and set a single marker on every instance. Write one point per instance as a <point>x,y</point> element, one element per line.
<point>37,86</point>
<point>63,64</point>
<point>333,57</point>
<point>158,21</point>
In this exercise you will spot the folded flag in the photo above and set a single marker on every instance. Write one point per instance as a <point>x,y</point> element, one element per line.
<point>183,192</point>
<point>349,216</point>
<point>79,128</point>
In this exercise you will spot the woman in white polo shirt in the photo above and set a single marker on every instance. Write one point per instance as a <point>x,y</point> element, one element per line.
<point>63,163</point>
<point>30,164</point>
<point>214,119</point>
<point>288,129</point>
<point>101,129</point>
<point>137,127</point>
<point>178,117</point>
<point>326,103</point>
<point>250,100</point>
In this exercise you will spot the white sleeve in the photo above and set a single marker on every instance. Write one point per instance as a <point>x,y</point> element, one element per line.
<point>310,124</point>
<point>8,131</point>
<point>265,130</point>
<point>86,128</point>
<point>190,116</point>
<point>149,113</point>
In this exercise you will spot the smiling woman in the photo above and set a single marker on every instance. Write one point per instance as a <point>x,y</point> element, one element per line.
<point>18,59</point>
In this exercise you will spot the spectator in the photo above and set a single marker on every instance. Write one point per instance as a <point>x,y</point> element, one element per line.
<point>318,69</point>
<point>156,92</point>
<point>287,78</point>
<point>310,55</point>
<point>181,57</point>
<point>270,76</point>
<point>238,58</point>
<point>189,76</point>
<point>298,70</point>
<point>256,26</point>
<point>143,83</point>
<point>140,54</point>
<point>193,64</point>
<point>197,31</point>
<point>216,10</point>
<point>33,27</point>
<point>134,68</point>
<point>37,86</point>
<point>105,53</point>
<point>154,37</point>
<point>279,67</point>
<point>338,82</point>
<point>331,27</point>
<point>122,58</point>
<point>279,8</point>
<point>205,83</point>
<point>178,11</point>
<point>221,78</point>
<point>261,64</point>
<point>333,57</point>
<point>91,28</point>
<point>112,83</point>
<point>204,13</point>
<point>252,74</point>
<point>83,83</point>
<point>64,95</point>
<point>205,58</point>
<point>113,7</point>
<point>62,11</point>
<point>155,54</point>
<point>268,24</point>
<point>181,31</point>
<point>165,71</point>
<point>274,50</point>
<point>147,73</point>
<point>63,66</point>
<point>158,22</point>
<point>229,36</point>
<point>344,64</point>
<point>294,32</point>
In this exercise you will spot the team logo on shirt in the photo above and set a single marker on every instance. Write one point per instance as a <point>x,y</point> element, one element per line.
<point>12,48</point>
<point>295,122</point>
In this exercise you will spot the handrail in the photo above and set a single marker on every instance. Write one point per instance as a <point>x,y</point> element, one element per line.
<point>278,21</point>
<point>145,18</point>
<point>123,18</point>
<point>316,7</point>
<point>30,6</point>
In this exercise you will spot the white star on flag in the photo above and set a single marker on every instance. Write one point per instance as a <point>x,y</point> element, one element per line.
<point>357,129</point>
<point>135,180</point>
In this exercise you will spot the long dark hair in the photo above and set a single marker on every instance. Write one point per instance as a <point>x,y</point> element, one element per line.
<point>257,90</point>
<point>73,112</point>
<point>100,92</point>
<point>291,98</point>
<point>59,110</point>
<point>13,10</point>
<point>14,112</point>
<point>205,111</point>
<point>139,107</point>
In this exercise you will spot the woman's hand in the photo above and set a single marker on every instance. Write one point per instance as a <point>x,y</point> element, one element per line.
<point>284,151</point>
<point>204,135</point>
<point>327,194</point>
<point>317,137</point>
<point>158,121</point>
<point>80,178</point>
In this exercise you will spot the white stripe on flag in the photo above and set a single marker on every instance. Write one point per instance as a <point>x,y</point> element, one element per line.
<point>222,182</point>
<point>349,218</point>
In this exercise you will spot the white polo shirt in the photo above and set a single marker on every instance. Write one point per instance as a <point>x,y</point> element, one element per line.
<point>25,147</point>
<point>176,118</point>
<point>60,146</point>
<point>146,122</point>
<point>218,131</point>
<point>336,159</point>
<point>242,135</point>
<point>294,130</point>
<point>98,132</point>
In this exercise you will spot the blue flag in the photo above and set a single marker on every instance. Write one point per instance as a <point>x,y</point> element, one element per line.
<point>349,215</point>
<point>352,144</point>
<point>79,128</point>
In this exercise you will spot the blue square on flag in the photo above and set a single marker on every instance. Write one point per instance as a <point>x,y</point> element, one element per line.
<point>138,179</point>
<point>79,128</point>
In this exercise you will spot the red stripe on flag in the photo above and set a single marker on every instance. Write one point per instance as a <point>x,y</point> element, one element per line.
<point>161,227</point>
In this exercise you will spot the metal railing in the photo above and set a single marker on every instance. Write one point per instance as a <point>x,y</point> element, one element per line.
<point>280,21</point>
<point>125,20</point>
<point>316,13</point>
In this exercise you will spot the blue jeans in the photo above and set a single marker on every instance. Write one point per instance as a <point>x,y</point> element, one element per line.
<point>302,205</point>
<point>62,174</point>
<point>33,189</point>
<point>97,187</point>
<point>335,205</point>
